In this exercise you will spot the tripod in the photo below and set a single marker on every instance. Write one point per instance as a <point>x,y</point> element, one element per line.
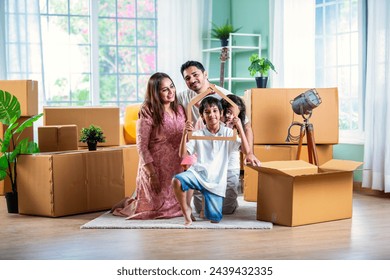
<point>308,129</point>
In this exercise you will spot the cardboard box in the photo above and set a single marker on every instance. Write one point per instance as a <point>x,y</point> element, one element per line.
<point>271,115</point>
<point>130,161</point>
<point>26,91</point>
<point>5,185</point>
<point>107,118</point>
<point>54,138</point>
<point>66,183</point>
<point>294,193</point>
<point>276,153</point>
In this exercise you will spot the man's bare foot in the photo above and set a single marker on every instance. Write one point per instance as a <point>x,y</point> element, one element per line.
<point>187,217</point>
<point>214,222</point>
<point>201,214</point>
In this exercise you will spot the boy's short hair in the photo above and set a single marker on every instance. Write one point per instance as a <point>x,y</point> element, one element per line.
<point>190,63</point>
<point>209,101</point>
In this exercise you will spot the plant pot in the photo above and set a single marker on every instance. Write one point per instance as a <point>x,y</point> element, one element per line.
<point>12,202</point>
<point>261,82</point>
<point>92,146</point>
<point>224,42</point>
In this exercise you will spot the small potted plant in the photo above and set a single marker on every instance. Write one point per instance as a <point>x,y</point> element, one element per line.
<point>92,135</point>
<point>11,146</point>
<point>260,66</point>
<point>222,32</point>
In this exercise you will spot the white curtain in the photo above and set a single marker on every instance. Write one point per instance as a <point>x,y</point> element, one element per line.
<point>376,172</point>
<point>181,26</point>
<point>21,54</point>
<point>20,41</point>
<point>292,43</point>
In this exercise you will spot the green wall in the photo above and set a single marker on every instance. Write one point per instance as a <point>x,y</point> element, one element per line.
<point>253,18</point>
<point>350,152</point>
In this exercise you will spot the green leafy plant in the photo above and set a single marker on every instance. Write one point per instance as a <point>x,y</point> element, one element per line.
<point>11,146</point>
<point>222,32</point>
<point>260,65</point>
<point>92,134</point>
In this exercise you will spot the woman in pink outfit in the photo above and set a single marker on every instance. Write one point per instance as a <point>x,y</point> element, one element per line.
<point>159,130</point>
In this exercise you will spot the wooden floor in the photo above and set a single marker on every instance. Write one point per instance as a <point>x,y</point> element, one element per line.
<point>366,236</point>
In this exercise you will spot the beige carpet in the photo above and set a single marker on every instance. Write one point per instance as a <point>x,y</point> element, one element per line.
<point>243,218</point>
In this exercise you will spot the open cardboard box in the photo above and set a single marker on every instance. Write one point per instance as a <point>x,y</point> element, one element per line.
<point>294,193</point>
<point>276,153</point>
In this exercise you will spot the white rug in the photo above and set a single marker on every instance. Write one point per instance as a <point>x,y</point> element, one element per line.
<point>243,218</point>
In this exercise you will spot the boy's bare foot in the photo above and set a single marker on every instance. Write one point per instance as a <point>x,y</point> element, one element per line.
<point>187,217</point>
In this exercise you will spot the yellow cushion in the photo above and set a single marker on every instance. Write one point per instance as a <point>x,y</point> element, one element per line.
<point>130,120</point>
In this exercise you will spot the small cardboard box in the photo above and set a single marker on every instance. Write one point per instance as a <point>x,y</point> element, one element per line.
<point>54,138</point>
<point>107,118</point>
<point>276,153</point>
<point>26,91</point>
<point>66,183</point>
<point>294,193</point>
<point>271,115</point>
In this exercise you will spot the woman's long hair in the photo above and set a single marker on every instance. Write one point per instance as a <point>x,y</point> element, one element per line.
<point>152,104</point>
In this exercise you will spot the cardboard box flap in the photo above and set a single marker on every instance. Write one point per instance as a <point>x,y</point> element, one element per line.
<point>290,167</point>
<point>343,165</point>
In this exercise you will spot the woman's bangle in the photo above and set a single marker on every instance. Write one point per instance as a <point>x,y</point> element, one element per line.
<point>152,175</point>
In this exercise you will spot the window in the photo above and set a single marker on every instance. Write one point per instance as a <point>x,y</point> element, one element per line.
<point>98,52</point>
<point>338,61</point>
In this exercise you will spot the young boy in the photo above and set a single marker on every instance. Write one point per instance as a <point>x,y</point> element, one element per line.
<point>209,173</point>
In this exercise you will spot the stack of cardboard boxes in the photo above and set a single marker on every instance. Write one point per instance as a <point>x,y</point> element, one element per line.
<point>66,178</point>
<point>288,191</point>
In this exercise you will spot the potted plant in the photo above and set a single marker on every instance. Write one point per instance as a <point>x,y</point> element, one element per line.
<point>260,66</point>
<point>222,32</point>
<point>92,135</point>
<point>11,146</point>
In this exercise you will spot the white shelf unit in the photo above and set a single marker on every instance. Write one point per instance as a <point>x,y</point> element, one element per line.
<point>233,49</point>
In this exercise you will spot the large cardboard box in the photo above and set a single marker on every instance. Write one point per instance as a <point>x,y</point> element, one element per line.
<point>294,193</point>
<point>276,153</point>
<point>271,115</point>
<point>28,132</point>
<point>66,183</point>
<point>107,118</point>
<point>130,161</point>
<point>26,91</point>
<point>54,138</point>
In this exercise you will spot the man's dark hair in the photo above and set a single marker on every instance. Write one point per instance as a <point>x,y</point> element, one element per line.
<point>210,101</point>
<point>190,63</point>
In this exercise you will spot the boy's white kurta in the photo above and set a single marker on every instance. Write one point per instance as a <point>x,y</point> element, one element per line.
<point>212,158</point>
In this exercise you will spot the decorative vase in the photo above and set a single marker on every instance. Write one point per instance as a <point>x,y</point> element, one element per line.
<point>261,82</point>
<point>92,146</point>
<point>12,202</point>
